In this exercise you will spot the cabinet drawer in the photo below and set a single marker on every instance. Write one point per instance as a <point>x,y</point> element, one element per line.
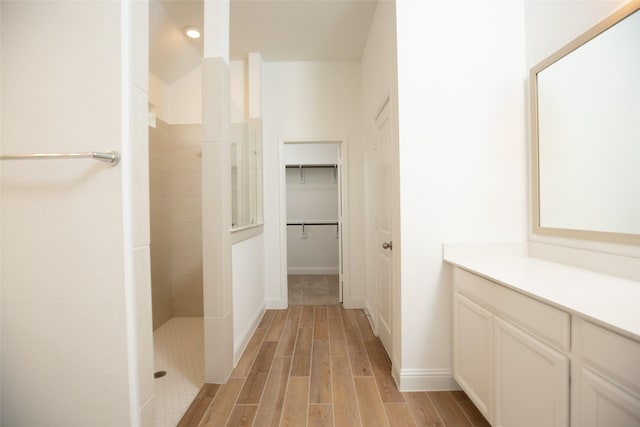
<point>607,352</point>
<point>541,320</point>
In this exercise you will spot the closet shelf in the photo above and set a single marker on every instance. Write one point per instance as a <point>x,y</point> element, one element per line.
<point>305,223</point>
<point>311,166</point>
<point>302,167</point>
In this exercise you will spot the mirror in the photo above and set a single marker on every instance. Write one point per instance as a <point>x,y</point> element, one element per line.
<point>244,171</point>
<point>585,140</point>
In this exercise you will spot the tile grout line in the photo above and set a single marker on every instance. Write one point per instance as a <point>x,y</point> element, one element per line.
<point>333,411</point>
<point>244,381</point>
<point>353,383</point>
<point>313,341</point>
<point>464,412</point>
<point>286,387</point>
<point>252,363</point>
<point>435,408</point>
<point>375,380</point>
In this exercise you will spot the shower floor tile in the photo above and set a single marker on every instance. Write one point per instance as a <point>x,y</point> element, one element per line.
<point>178,349</point>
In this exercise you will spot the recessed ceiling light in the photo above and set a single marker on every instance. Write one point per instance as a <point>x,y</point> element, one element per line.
<point>193,32</point>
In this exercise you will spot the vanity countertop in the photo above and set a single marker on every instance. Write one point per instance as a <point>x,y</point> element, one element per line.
<point>611,301</point>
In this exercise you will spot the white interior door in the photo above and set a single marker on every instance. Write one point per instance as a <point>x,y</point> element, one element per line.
<point>383,225</point>
<point>339,169</point>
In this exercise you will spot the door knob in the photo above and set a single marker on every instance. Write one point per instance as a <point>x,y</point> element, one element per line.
<point>387,245</point>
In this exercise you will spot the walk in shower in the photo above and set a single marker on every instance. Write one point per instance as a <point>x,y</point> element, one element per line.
<point>176,267</point>
<point>175,146</point>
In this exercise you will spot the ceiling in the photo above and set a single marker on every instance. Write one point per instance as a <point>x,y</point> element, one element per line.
<point>280,30</point>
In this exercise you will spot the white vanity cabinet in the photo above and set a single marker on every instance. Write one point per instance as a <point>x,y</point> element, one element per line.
<point>473,355</point>
<point>504,356</point>
<point>606,377</point>
<point>531,380</point>
<point>539,343</point>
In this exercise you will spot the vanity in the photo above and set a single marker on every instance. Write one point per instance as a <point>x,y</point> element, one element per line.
<point>536,340</point>
<point>538,343</point>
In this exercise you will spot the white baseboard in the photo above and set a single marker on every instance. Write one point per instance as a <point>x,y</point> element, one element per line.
<point>312,270</point>
<point>274,303</point>
<point>368,311</point>
<point>243,340</point>
<point>425,380</point>
<point>353,302</point>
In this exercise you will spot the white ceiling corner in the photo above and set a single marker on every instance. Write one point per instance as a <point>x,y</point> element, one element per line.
<point>280,30</point>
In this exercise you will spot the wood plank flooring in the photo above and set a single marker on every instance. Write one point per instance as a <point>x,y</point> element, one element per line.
<point>313,366</point>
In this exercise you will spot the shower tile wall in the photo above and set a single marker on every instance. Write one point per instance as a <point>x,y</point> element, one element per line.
<point>186,220</point>
<point>176,243</point>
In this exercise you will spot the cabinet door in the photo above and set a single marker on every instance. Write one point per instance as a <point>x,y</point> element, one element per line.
<point>472,351</point>
<point>603,404</point>
<point>531,380</point>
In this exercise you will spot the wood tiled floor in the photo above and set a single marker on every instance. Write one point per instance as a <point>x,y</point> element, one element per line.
<point>321,366</point>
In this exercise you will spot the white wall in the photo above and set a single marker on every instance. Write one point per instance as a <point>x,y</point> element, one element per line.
<point>248,290</point>
<point>76,316</point>
<point>311,101</point>
<point>184,98</point>
<point>463,157</point>
<point>549,25</point>
<point>179,102</point>
<point>158,98</point>
<point>312,154</point>
<point>239,86</point>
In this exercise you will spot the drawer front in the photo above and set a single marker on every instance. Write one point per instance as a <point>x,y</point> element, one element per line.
<point>541,320</point>
<point>606,352</point>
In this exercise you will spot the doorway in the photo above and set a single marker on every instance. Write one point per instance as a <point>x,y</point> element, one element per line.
<point>313,224</point>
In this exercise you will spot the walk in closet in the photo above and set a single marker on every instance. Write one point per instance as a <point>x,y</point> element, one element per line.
<point>313,222</point>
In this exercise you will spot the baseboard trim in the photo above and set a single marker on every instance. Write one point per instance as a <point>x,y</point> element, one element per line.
<point>425,380</point>
<point>238,348</point>
<point>272,303</point>
<point>371,314</point>
<point>353,302</point>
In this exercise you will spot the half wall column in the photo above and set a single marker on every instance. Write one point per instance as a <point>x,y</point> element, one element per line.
<point>216,194</point>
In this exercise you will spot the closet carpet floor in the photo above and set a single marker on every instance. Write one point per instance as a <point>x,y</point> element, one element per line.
<point>313,289</point>
<point>321,366</point>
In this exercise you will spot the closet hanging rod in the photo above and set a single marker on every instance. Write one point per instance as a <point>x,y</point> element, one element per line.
<point>111,157</point>
<point>311,166</point>
<point>304,223</point>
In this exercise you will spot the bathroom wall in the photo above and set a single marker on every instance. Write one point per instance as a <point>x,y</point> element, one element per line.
<point>305,101</point>
<point>463,158</point>
<point>176,212</point>
<point>76,315</point>
<point>185,217</point>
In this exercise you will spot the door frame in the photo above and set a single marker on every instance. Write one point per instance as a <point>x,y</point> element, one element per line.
<point>344,223</point>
